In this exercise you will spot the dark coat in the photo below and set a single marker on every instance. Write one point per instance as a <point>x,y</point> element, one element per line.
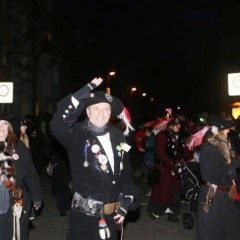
<point>223,220</point>
<point>56,155</point>
<point>27,178</point>
<point>92,180</point>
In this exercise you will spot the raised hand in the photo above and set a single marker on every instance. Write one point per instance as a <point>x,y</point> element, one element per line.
<point>85,92</point>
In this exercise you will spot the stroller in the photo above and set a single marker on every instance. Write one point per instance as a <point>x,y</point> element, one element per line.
<point>190,177</point>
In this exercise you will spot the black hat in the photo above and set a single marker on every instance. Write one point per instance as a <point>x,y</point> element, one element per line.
<point>173,122</point>
<point>27,122</point>
<point>16,124</point>
<point>101,97</point>
<point>219,123</point>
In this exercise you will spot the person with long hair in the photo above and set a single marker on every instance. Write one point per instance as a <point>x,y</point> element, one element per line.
<point>20,183</point>
<point>20,127</point>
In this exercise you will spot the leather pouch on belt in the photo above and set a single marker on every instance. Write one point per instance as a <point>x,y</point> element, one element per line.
<point>88,205</point>
<point>110,208</point>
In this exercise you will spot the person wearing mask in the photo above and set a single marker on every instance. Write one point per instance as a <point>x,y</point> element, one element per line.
<point>102,186</point>
<point>20,183</point>
<point>170,150</point>
<point>218,216</point>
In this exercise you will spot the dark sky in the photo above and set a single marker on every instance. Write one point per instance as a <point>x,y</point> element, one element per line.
<point>157,45</point>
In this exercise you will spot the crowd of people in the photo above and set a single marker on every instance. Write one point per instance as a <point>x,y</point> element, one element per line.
<point>87,148</point>
<point>214,146</point>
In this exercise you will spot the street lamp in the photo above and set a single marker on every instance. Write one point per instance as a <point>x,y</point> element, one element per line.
<point>144,102</point>
<point>132,90</point>
<point>108,82</point>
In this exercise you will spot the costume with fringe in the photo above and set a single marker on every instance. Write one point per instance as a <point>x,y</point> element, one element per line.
<point>20,185</point>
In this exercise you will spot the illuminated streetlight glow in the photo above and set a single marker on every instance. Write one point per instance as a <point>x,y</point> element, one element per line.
<point>133,89</point>
<point>111,73</point>
<point>108,78</point>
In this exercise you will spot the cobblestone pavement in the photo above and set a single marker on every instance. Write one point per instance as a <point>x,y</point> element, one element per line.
<point>50,226</point>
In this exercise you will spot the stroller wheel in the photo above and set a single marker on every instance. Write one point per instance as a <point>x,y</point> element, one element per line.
<point>189,220</point>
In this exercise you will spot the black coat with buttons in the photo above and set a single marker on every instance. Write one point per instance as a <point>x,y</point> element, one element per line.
<point>92,181</point>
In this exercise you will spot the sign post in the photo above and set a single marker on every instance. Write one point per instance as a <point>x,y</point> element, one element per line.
<point>6,92</point>
<point>234,90</point>
<point>234,84</point>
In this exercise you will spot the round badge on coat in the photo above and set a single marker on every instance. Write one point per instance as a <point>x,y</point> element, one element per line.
<point>15,156</point>
<point>86,164</point>
<point>95,148</point>
<point>104,167</point>
<point>102,159</point>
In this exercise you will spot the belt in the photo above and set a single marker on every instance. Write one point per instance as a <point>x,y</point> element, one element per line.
<point>110,208</point>
<point>219,188</point>
<point>223,188</point>
<point>91,206</point>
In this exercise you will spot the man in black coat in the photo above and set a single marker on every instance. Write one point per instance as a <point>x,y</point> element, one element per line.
<point>102,186</point>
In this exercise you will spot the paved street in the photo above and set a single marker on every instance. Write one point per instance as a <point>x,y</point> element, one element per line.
<point>50,226</point>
